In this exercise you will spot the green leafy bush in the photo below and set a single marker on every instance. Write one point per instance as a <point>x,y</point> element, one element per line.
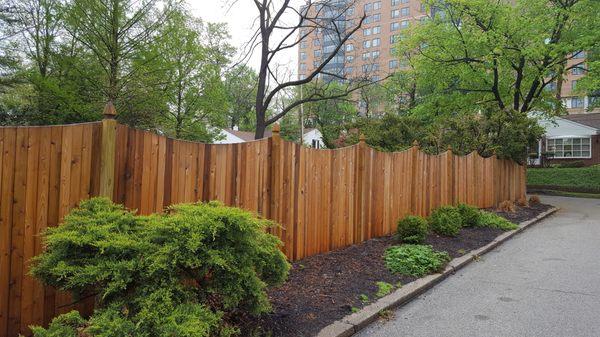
<point>412,229</point>
<point>492,220</point>
<point>469,214</point>
<point>415,260</point>
<point>176,274</point>
<point>446,220</point>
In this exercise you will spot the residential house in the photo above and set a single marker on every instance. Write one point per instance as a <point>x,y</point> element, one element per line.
<point>312,137</point>
<point>570,138</point>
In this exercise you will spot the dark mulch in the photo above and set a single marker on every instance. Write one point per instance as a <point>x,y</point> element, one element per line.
<point>524,213</point>
<point>324,288</point>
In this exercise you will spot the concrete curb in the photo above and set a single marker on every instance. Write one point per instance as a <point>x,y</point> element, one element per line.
<point>355,322</point>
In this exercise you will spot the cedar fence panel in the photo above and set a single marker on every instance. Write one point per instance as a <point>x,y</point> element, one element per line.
<point>323,199</point>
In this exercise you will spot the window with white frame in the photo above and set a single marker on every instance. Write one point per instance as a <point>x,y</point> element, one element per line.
<point>376,42</point>
<point>376,30</point>
<point>573,147</point>
<point>349,47</point>
<point>394,26</point>
<point>395,13</point>
<point>377,5</point>
<point>405,11</point>
<point>366,31</point>
<point>577,102</point>
<point>376,17</point>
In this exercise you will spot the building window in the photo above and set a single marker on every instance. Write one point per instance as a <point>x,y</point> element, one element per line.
<point>317,53</point>
<point>376,17</point>
<point>579,70</point>
<point>377,5</point>
<point>404,24</point>
<point>366,56</point>
<point>393,51</point>
<point>405,11</point>
<point>349,47</point>
<point>349,70</point>
<point>349,58</point>
<point>376,30</point>
<point>376,42</point>
<point>367,44</point>
<point>316,64</point>
<point>368,7</point>
<point>302,56</point>
<point>395,2</point>
<point>366,31</point>
<point>350,11</point>
<point>303,44</point>
<point>395,13</point>
<point>301,77</point>
<point>579,55</point>
<point>576,102</point>
<point>375,54</point>
<point>394,38</point>
<point>570,147</point>
<point>574,85</point>
<point>393,64</point>
<point>302,67</point>
<point>329,49</point>
<point>316,43</point>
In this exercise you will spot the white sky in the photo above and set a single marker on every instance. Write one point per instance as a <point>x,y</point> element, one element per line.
<point>239,18</point>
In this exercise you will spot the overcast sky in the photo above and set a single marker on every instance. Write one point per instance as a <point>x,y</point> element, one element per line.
<point>239,18</point>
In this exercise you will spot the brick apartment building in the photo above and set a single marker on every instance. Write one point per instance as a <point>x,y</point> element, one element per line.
<point>370,51</point>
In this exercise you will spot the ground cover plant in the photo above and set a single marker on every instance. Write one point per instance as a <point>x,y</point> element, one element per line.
<point>446,220</point>
<point>182,273</point>
<point>412,229</point>
<point>415,260</point>
<point>586,178</point>
<point>491,220</point>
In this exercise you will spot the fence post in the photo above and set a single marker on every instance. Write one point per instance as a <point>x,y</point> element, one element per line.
<point>107,157</point>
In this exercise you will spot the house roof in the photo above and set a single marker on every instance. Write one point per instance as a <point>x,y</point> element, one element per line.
<point>249,135</point>
<point>591,120</point>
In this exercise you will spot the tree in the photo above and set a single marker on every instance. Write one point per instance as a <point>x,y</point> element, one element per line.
<point>115,31</point>
<point>240,83</point>
<point>329,17</point>
<point>187,61</point>
<point>499,55</point>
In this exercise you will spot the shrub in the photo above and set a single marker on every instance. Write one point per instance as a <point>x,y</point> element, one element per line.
<point>446,220</point>
<point>175,274</point>
<point>415,260</point>
<point>534,200</point>
<point>492,220</point>
<point>412,229</point>
<point>469,214</point>
<point>507,206</point>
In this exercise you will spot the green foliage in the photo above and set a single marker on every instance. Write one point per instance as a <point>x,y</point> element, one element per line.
<point>584,177</point>
<point>415,260</point>
<point>491,220</point>
<point>66,325</point>
<point>175,274</point>
<point>383,289</point>
<point>412,229</point>
<point>470,215</point>
<point>364,298</point>
<point>446,220</point>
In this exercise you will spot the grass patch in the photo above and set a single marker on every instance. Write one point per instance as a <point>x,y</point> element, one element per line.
<point>582,177</point>
<point>383,289</point>
<point>415,260</point>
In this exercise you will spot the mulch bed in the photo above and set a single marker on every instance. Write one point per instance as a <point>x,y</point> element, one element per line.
<point>324,288</point>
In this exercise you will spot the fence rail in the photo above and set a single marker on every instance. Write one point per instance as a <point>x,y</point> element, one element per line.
<point>324,199</point>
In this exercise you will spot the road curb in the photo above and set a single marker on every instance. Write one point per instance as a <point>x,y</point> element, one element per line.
<point>355,322</point>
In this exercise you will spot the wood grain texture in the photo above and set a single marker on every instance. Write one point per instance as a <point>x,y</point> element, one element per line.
<point>322,199</point>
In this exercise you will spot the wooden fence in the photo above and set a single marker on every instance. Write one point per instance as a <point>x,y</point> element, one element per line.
<point>324,199</point>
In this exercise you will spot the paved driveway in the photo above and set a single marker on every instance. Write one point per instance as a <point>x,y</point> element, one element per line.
<point>544,282</point>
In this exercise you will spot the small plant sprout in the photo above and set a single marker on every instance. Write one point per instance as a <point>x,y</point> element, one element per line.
<point>364,298</point>
<point>383,289</point>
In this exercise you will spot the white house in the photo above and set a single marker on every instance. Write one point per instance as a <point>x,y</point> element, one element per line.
<point>312,137</point>
<point>571,138</point>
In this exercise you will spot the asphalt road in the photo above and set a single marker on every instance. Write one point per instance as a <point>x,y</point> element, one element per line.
<point>544,282</point>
